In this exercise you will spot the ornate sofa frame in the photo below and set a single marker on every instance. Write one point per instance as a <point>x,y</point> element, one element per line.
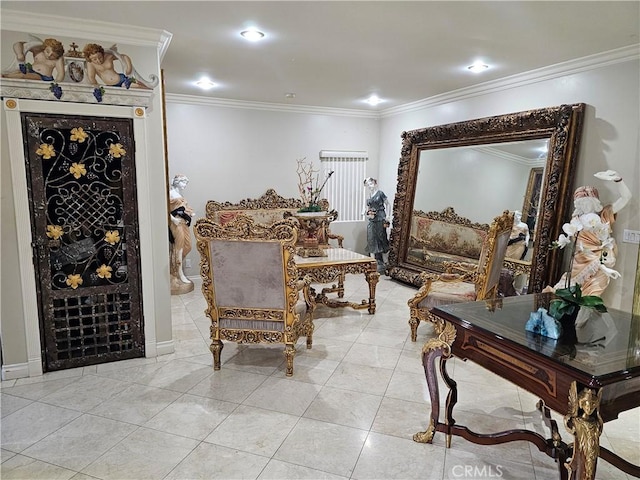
<point>268,209</point>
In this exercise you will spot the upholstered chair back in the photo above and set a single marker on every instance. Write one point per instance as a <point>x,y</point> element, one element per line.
<point>463,282</point>
<point>494,250</point>
<point>251,284</point>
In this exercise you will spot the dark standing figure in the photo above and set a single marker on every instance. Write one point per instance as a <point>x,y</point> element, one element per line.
<point>377,240</point>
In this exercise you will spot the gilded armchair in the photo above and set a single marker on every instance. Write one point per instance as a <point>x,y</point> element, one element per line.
<point>463,282</point>
<point>251,284</point>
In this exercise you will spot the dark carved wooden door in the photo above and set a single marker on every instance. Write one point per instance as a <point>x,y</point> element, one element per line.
<point>82,192</point>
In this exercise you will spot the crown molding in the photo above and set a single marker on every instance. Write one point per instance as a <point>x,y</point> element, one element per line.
<point>570,67</point>
<point>591,62</point>
<point>37,23</point>
<point>276,107</point>
<point>510,157</point>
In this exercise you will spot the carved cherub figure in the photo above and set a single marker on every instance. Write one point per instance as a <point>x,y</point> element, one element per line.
<point>47,64</point>
<point>101,64</point>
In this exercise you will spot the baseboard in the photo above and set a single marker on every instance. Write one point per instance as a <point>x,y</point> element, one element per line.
<point>164,348</point>
<point>17,370</point>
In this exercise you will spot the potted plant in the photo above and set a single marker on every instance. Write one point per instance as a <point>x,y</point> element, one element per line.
<point>310,187</point>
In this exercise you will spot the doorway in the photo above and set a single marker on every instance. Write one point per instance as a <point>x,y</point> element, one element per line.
<point>84,222</point>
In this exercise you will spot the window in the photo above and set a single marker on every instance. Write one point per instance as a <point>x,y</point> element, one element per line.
<point>345,191</point>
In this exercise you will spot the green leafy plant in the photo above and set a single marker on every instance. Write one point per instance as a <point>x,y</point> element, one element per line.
<point>570,299</point>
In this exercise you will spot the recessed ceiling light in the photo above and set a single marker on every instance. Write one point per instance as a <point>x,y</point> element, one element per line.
<point>290,95</point>
<point>205,83</point>
<point>373,100</point>
<point>478,67</point>
<point>252,34</point>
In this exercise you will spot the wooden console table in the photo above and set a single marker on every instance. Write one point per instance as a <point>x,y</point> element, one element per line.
<point>589,383</point>
<point>333,267</point>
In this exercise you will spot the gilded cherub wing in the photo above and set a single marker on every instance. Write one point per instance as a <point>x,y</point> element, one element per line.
<point>572,410</point>
<point>573,400</point>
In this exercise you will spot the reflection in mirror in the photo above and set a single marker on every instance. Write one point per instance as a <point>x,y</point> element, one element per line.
<point>509,165</point>
<point>467,173</point>
<point>474,168</point>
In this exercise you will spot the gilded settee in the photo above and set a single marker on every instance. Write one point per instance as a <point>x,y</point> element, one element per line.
<point>267,209</point>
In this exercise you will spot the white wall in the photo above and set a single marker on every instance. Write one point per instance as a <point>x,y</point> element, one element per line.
<point>610,139</point>
<point>230,154</point>
<point>234,153</point>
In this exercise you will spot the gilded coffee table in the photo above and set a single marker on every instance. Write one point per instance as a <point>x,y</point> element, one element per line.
<point>333,267</point>
<point>590,382</point>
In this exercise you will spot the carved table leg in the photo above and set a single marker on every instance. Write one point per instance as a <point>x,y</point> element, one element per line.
<point>434,348</point>
<point>583,421</point>
<point>560,448</point>
<point>340,288</point>
<point>452,396</point>
<point>372,280</point>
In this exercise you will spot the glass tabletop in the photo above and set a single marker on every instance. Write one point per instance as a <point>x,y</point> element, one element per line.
<point>608,343</point>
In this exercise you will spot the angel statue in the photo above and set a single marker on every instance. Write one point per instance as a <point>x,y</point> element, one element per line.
<point>100,64</point>
<point>583,421</point>
<point>596,250</point>
<point>47,63</point>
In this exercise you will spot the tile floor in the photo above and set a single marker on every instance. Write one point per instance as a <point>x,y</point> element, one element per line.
<point>349,411</point>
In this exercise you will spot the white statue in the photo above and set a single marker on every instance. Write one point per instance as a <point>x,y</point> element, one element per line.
<point>519,238</point>
<point>180,234</point>
<point>596,250</point>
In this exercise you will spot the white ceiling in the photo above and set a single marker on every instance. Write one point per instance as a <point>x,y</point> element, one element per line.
<point>335,54</point>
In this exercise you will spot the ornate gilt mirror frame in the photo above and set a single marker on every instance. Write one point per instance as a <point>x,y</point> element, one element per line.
<point>561,125</point>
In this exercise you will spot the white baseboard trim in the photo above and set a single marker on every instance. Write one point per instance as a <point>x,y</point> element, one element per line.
<point>21,370</point>
<point>164,348</point>
<point>17,370</point>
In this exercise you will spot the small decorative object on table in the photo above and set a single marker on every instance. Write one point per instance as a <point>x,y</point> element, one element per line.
<point>312,216</point>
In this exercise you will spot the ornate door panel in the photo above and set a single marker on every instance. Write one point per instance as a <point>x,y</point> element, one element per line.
<point>81,178</point>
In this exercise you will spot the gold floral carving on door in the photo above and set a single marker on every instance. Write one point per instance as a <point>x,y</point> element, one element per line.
<point>82,192</point>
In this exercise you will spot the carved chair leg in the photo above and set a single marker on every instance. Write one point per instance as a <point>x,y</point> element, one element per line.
<point>216,348</point>
<point>309,333</point>
<point>413,323</point>
<point>289,353</point>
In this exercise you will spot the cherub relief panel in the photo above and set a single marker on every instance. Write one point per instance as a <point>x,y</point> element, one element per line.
<point>47,60</point>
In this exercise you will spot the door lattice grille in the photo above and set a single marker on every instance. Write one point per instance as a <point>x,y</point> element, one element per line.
<point>93,325</point>
<point>85,230</point>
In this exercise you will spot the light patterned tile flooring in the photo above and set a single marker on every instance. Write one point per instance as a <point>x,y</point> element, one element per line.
<point>349,411</point>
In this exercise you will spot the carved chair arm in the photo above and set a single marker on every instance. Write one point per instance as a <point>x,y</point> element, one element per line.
<point>337,237</point>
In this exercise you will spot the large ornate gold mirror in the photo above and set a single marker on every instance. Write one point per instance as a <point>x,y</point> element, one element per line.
<point>474,170</point>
